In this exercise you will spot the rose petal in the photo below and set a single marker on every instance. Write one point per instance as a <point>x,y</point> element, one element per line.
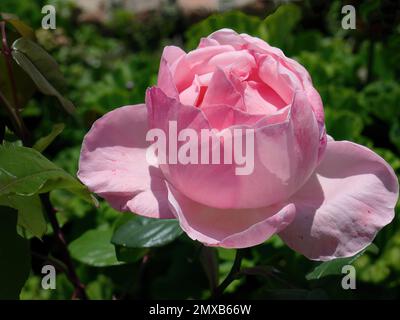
<point>166,75</point>
<point>312,94</point>
<point>240,41</point>
<point>261,99</point>
<point>290,72</point>
<point>226,37</point>
<point>282,80</point>
<point>221,91</point>
<point>224,116</point>
<point>172,54</point>
<point>163,109</point>
<point>196,62</point>
<point>342,207</point>
<point>240,63</point>
<point>229,228</point>
<point>113,164</point>
<point>165,80</point>
<point>191,94</point>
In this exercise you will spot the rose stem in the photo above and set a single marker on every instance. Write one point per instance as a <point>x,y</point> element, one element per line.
<point>66,258</point>
<point>232,275</point>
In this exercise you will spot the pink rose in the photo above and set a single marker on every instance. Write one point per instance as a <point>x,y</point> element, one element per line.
<point>325,198</point>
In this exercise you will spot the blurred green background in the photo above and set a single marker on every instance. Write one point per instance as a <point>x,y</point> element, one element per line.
<point>109,55</point>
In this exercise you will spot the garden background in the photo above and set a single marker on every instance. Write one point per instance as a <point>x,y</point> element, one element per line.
<point>108,58</point>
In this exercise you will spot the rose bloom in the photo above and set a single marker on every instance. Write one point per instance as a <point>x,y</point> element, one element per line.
<point>325,199</point>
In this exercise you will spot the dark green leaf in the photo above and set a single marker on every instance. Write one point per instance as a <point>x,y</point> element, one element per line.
<point>129,254</point>
<point>41,175</point>
<point>42,68</point>
<point>23,29</point>
<point>14,256</point>
<point>30,213</point>
<point>145,232</point>
<point>44,142</point>
<point>24,84</point>
<point>263,271</point>
<point>95,249</point>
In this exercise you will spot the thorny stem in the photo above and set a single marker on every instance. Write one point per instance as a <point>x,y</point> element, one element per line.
<point>23,133</point>
<point>232,275</point>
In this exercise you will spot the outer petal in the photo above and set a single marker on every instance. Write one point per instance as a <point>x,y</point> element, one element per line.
<point>227,228</point>
<point>342,207</point>
<point>113,164</point>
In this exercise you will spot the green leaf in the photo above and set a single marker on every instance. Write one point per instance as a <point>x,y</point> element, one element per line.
<point>334,267</point>
<point>94,248</point>
<point>30,213</point>
<point>277,27</point>
<point>24,84</point>
<point>40,176</point>
<point>130,254</point>
<point>100,289</point>
<point>44,142</point>
<point>42,68</point>
<point>143,232</point>
<point>15,262</point>
<point>23,29</point>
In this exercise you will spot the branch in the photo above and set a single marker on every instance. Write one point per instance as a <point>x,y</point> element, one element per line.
<point>13,111</point>
<point>80,292</point>
<point>16,120</point>
<point>232,275</point>
<point>8,57</point>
